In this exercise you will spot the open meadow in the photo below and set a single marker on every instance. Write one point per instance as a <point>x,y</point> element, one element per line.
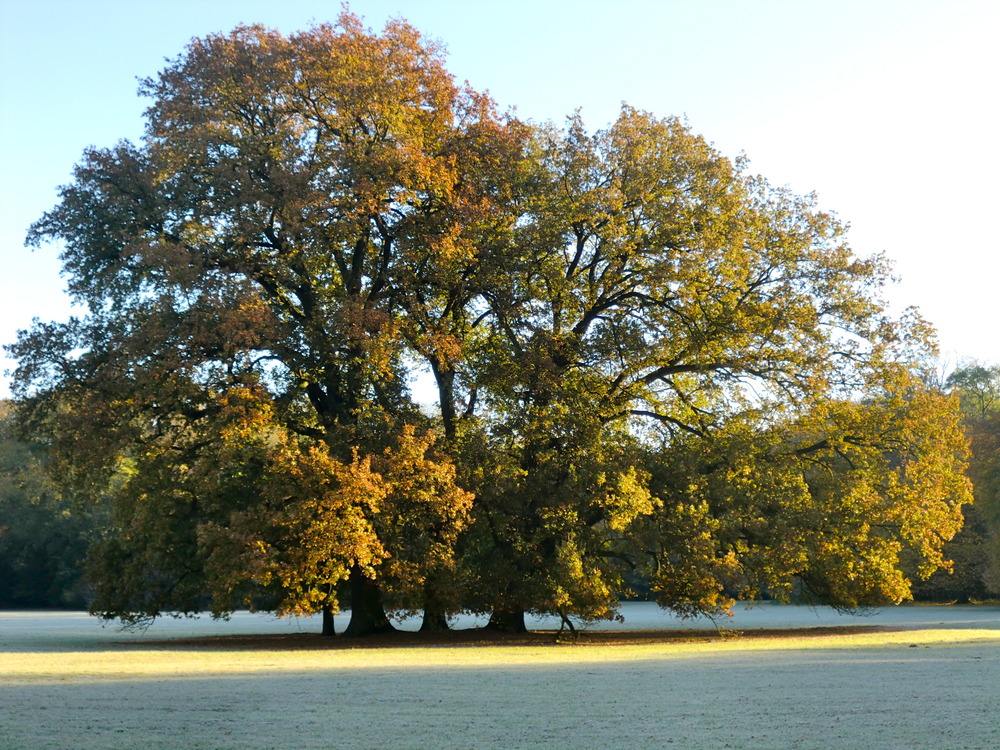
<point>910,677</point>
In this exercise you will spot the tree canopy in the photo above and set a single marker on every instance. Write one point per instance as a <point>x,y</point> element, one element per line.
<point>648,361</point>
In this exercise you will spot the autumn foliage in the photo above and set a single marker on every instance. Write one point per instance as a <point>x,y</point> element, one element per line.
<point>650,365</point>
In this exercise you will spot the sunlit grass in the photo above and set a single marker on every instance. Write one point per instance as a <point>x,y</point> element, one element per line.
<point>63,684</point>
<point>136,663</point>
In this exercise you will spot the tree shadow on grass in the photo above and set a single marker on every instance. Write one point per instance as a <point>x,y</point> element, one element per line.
<point>486,637</point>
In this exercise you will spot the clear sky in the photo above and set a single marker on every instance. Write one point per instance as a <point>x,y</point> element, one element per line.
<point>887,109</point>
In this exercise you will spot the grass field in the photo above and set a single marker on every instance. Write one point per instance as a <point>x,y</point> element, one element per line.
<point>65,683</point>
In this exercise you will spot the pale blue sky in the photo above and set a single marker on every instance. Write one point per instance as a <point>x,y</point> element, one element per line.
<point>888,110</point>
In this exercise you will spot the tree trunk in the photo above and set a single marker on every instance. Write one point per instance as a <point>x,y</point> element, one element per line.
<point>435,609</point>
<point>367,613</point>
<point>507,619</point>
<point>435,620</point>
<point>445,378</point>
<point>328,628</point>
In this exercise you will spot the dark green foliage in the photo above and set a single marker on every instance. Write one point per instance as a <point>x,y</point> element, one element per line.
<point>975,550</point>
<point>44,536</point>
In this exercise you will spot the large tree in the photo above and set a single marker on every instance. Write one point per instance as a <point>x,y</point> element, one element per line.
<point>247,267</point>
<point>647,359</point>
<point>660,298</point>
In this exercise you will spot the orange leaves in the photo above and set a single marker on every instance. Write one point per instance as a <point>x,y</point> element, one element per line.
<point>295,520</point>
<point>423,487</point>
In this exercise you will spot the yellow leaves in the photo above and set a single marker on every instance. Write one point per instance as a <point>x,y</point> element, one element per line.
<point>627,499</point>
<point>370,335</point>
<point>848,498</point>
<point>395,516</point>
<point>426,509</point>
